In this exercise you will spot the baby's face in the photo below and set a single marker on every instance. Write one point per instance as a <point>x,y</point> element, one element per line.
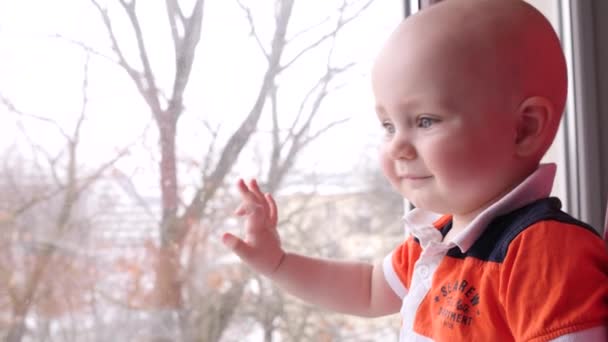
<point>468,104</point>
<point>449,134</point>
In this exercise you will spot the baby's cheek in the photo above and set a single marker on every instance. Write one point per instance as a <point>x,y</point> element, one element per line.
<point>471,171</point>
<point>453,170</point>
<point>463,156</point>
<point>388,167</point>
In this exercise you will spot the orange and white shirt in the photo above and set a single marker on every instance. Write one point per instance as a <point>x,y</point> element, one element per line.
<point>523,270</point>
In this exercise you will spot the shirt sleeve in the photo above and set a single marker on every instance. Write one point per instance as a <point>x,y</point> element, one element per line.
<point>398,266</point>
<point>554,282</point>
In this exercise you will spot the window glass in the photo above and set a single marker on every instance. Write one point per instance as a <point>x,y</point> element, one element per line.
<point>124,127</point>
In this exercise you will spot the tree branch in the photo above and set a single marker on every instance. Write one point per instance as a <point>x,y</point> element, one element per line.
<point>88,49</point>
<point>207,160</point>
<point>184,57</point>
<point>174,15</point>
<point>150,85</point>
<point>12,108</point>
<point>339,25</point>
<point>253,31</point>
<point>135,75</point>
<point>239,138</point>
<point>308,29</point>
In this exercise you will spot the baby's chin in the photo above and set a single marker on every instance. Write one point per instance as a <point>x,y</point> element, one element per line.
<point>428,204</point>
<point>435,204</point>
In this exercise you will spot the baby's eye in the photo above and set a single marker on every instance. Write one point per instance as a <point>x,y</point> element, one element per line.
<point>388,127</point>
<point>425,122</point>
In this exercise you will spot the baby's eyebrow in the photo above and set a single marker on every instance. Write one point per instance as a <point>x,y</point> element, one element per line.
<point>401,108</point>
<point>379,109</point>
<point>409,105</point>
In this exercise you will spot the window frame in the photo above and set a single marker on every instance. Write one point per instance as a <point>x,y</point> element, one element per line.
<point>587,148</point>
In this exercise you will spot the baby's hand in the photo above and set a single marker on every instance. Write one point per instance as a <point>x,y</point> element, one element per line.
<point>261,248</point>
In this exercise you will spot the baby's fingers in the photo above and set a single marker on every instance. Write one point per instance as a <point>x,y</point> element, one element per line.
<point>272,210</point>
<point>246,192</point>
<point>255,190</point>
<point>261,198</point>
<point>241,210</point>
<point>248,196</point>
<point>238,246</point>
<point>248,208</point>
<point>251,193</point>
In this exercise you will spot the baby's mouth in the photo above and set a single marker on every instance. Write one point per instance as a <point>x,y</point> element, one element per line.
<point>416,177</point>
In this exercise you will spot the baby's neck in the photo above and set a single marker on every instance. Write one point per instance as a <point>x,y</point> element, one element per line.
<point>456,228</point>
<point>459,223</point>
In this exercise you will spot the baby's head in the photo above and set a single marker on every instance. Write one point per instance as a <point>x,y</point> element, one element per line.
<point>470,93</point>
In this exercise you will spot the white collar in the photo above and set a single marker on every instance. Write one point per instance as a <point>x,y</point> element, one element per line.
<point>422,223</point>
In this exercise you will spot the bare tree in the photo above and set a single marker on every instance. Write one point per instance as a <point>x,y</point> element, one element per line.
<point>179,214</point>
<point>41,211</point>
<point>189,283</point>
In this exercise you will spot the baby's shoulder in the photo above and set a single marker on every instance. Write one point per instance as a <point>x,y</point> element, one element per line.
<point>540,225</point>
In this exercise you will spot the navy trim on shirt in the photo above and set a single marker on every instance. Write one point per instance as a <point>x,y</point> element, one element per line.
<point>494,242</point>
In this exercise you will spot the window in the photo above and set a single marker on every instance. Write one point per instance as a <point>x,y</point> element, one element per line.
<point>124,128</point>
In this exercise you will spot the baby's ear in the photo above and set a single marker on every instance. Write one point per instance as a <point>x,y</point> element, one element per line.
<point>535,126</point>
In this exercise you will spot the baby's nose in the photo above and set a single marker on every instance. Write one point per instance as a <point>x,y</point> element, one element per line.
<point>402,148</point>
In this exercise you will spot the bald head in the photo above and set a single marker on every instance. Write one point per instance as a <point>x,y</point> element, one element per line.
<point>510,36</point>
<point>498,52</point>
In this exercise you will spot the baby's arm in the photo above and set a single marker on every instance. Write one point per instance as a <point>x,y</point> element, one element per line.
<point>349,287</point>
